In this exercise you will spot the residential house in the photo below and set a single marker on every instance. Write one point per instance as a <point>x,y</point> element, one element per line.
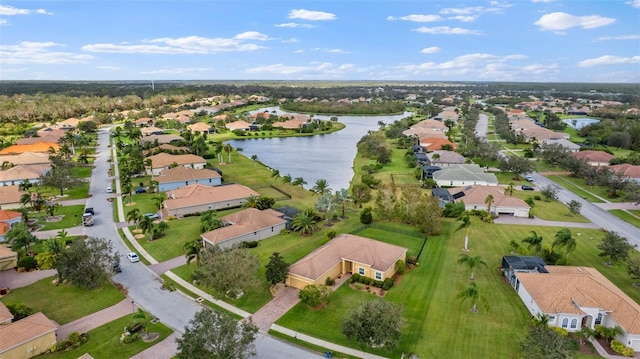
<point>291,124</point>
<point>8,219</point>
<point>572,147</point>
<point>5,314</point>
<point>594,158</point>
<point>17,174</point>
<point>161,139</point>
<point>201,127</point>
<point>428,171</point>
<point>52,137</point>
<point>424,133</point>
<point>247,225</point>
<point>628,170</point>
<point>163,161</point>
<point>10,196</point>
<point>144,122</point>
<point>445,158</point>
<point>34,147</point>
<point>238,125</point>
<point>464,175</point>
<point>443,195</point>
<point>346,253</point>
<point>475,197</point>
<point>197,198</point>
<point>151,130</point>
<point>27,337</point>
<point>8,260</point>
<point>576,297</point>
<point>437,144</point>
<point>26,158</point>
<point>181,176</point>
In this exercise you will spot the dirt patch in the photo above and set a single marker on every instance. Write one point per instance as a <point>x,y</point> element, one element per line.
<point>276,289</point>
<point>138,236</point>
<point>137,230</point>
<point>130,204</point>
<point>149,337</point>
<point>54,219</point>
<point>378,292</point>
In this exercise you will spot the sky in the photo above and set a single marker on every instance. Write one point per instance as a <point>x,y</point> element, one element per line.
<point>336,40</point>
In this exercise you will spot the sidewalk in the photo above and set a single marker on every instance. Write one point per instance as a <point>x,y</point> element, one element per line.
<point>541,222</point>
<point>166,349</point>
<point>162,267</point>
<point>96,319</point>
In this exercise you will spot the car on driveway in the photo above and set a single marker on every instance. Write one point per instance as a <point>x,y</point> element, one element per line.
<point>90,210</point>
<point>133,257</point>
<point>529,178</point>
<point>527,188</point>
<point>151,215</point>
<point>116,267</point>
<point>140,190</point>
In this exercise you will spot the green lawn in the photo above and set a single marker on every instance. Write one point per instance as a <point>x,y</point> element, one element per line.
<point>72,216</point>
<point>553,210</point>
<point>633,218</point>
<point>104,341</point>
<point>578,186</point>
<point>81,172</point>
<point>63,303</point>
<point>170,246</point>
<point>79,191</point>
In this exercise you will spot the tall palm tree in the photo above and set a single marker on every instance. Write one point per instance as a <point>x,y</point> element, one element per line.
<point>134,216</point>
<point>534,241</point>
<point>304,222</point>
<point>465,222</point>
<point>564,239</point>
<point>510,188</point>
<point>146,224</point>
<point>298,181</point>
<point>192,250</point>
<point>275,173</point>
<point>489,202</point>
<point>286,178</point>
<point>321,187</point>
<point>471,262</point>
<point>472,294</point>
<point>52,249</point>
<point>158,200</point>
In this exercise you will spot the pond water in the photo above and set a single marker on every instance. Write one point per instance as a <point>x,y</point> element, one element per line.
<point>579,123</point>
<point>316,157</point>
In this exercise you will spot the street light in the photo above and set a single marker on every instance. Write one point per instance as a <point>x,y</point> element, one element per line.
<point>133,306</point>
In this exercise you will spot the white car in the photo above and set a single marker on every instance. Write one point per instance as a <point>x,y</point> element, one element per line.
<point>133,257</point>
<point>151,215</point>
<point>109,189</point>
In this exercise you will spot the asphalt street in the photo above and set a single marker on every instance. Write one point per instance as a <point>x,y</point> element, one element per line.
<point>144,287</point>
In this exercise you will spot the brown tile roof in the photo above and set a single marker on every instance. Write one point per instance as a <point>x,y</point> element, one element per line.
<point>594,156</point>
<point>5,314</point>
<point>244,222</point>
<point>147,131</point>
<point>566,288</point>
<point>632,171</point>
<point>182,173</point>
<point>477,194</point>
<point>197,194</point>
<point>446,157</point>
<point>26,158</point>
<point>21,172</point>
<point>166,138</point>
<point>165,159</point>
<point>49,131</point>
<point>34,147</point>
<point>434,144</point>
<point>49,137</point>
<point>199,127</point>
<point>6,253</point>
<point>24,330</point>
<point>144,121</point>
<point>10,194</point>
<point>432,124</point>
<point>379,255</point>
<point>238,125</point>
<point>290,124</point>
<point>6,215</point>
<point>424,132</point>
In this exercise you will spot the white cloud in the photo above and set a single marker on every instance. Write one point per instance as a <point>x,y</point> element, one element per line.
<point>430,50</point>
<point>252,35</point>
<point>446,30</point>
<point>609,60</point>
<point>3,22</point>
<point>634,3</point>
<point>182,45</point>
<point>11,11</point>
<point>417,18</point>
<point>39,53</point>
<point>471,13</point>
<point>109,68</point>
<point>542,1</point>
<point>292,40</point>
<point>463,18</point>
<point>294,25</point>
<point>332,51</point>
<point>178,71</point>
<point>311,15</point>
<point>298,51</point>
<point>557,21</point>
<point>619,37</point>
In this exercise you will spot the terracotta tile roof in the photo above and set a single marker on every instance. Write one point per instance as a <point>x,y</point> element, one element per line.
<point>182,173</point>
<point>166,138</point>
<point>49,131</point>
<point>379,255</point>
<point>26,158</point>
<point>4,228</point>
<point>5,314</point>
<point>24,330</point>
<point>594,156</point>
<point>34,147</point>
<point>165,159</point>
<point>434,144</point>
<point>6,215</point>
<point>244,222</point>
<point>290,124</point>
<point>632,171</point>
<point>238,125</point>
<point>21,172</point>
<point>197,194</point>
<point>476,195</point>
<point>566,288</point>
<point>10,194</point>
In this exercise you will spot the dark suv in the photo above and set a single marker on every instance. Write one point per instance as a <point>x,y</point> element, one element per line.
<point>89,210</point>
<point>140,190</point>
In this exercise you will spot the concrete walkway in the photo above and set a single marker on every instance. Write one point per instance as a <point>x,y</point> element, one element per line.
<point>96,319</point>
<point>541,222</point>
<point>162,267</point>
<point>166,349</point>
<point>13,279</point>
<point>72,231</point>
<point>276,308</point>
<point>621,205</point>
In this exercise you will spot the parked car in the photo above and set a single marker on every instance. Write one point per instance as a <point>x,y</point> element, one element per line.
<point>140,190</point>
<point>529,178</point>
<point>527,188</point>
<point>133,257</point>
<point>116,268</point>
<point>109,189</point>
<point>151,215</point>
<point>90,210</point>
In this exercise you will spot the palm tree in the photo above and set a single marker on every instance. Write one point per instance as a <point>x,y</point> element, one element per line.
<point>146,224</point>
<point>472,294</point>
<point>192,250</point>
<point>342,197</point>
<point>321,187</point>
<point>510,188</point>
<point>465,223</point>
<point>286,178</point>
<point>52,248</point>
<point>564,239</point>
<point>304,222</point>
<point>158,200</point>
<point>275,173</point>
<point>489,201</point>
<point>471,262</point>
<point>134,216</point>
<point>251,202</point>
<point>209,221</point>
<point>534,241</point>
<point>299,181</point>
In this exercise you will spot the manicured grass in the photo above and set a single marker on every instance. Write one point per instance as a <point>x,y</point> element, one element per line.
<point>80,191</point>
<point>575,189</point>
<point>81,172</point>
<point>72,216</point>
<point>580,185</point>
<point>553,210</point>
<point>626,216</point>
<point>63,303</point>
<point>104,341</point>
<point>508,177</point>
<point>170,245</point>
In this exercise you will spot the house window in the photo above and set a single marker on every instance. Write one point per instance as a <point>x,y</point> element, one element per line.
<point>598,319</point>
<point>552,318</point>
<point>271,229</point>
<point>574,323</point>
<point>378,275</point>
<point>360,270</point>
<point>565,322</point>
<point>186,183</point>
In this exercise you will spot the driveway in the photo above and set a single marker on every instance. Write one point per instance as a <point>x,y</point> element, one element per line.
<point>542,222</point>
<point>97,319</point>
<point>13,279</point>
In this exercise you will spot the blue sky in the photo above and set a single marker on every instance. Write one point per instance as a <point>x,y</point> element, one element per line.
<point>447,40</point>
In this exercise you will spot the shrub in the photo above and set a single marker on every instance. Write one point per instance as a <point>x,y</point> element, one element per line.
<point>251,244</point>
<point>401,267</point>
<point>329,281</point>
<point>537,198</point>
<point>19,311</point>
<point>412,260</point>
<point>355,278</point>
<point>560,331</point>
<point>331,234</point>
<point>365,216</point>
<point>128,339</point>
<point>621,348</point>
<point>27,262</point>
<point>387,284</point>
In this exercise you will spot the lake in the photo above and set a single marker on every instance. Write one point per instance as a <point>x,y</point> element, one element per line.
<point>328,156</point>
<point>579,123</point>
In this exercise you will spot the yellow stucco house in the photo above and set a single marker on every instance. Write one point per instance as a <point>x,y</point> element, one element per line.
<point>26,337</point>
<point>346,253</point>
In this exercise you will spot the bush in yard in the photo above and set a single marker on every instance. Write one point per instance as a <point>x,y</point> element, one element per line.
<point>365,216</point>
<point>401,267</point>
<point>19,311</point>
<point>28,263</point>
<point>314,295</point>
<point>329,281</point>
<point>129,338</point>
<point>387,284</point>
<point>621,348</point>
<point>376,324</point>
<point>251,244</point>
<point>355,278</point>
<point>331,234</point>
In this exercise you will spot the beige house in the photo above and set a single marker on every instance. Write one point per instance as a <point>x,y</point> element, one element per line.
<point>26,158</point>
<point>181,176</point>
<point>198,198</point>
<point>247,225</point>
<point>8,259</point>
<point>594,158</point>
<point>346,253</point>
<point>163,161</point>
<point>238,125</point>
<point>475,197</point>
<point>200,127</point>
<point>27,337</point>
<point>151,130</point>
<point>161,139</point>
<point>10,196</point>
<point>16,175</point>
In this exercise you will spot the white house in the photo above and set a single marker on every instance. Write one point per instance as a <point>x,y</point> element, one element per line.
<point>181,176</point>
<point>163,161</point>
<point>247,225</point>
<point>464,175</point>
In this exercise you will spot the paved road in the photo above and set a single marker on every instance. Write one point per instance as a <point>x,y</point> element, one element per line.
<point>482,126</point>
<point>172,308</point>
